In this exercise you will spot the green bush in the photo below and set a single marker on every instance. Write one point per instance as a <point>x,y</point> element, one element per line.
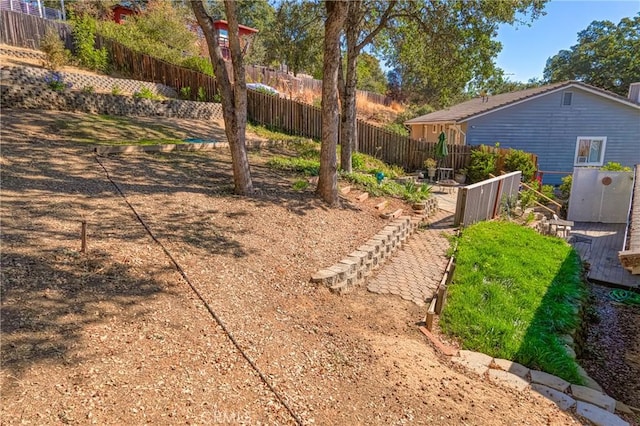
<point>116,90</point>
<point>84,32</point>
<point>297,165</point>
<point>146,93</point>
<point>88,90</point>
<point>483,163</point>
<point>615,167</point>
<point>369,183</point>
<point>300,185</point>
<point>185,93</point>
<point>565,187</point>
<point>416,193</point>
<point>202,95</point>
<point>520,160</point>
<point>198,63</point>
<point>398,128</point>
<point>56,82</point>
<point>357,161</point>
<point>56,56</point>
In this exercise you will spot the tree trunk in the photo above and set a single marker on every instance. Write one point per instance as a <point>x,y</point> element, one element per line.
<point>348,126</point>
<point>234,96</point>
<point>328,180</point>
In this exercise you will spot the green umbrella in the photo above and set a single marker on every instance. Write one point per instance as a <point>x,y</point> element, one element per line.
<point>441,147</point>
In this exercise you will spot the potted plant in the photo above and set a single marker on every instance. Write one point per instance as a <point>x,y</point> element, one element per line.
<point>430,165</point>
<point>460,175</point>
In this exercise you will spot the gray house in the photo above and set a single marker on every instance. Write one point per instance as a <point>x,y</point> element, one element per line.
<point>569,124</point>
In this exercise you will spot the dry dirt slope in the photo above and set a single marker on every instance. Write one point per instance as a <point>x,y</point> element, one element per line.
<point>117,336</point>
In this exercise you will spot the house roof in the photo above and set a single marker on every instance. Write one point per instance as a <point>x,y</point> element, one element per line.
<point>479,106</point>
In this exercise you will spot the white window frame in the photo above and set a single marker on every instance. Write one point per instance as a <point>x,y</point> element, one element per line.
<point>586,163</point>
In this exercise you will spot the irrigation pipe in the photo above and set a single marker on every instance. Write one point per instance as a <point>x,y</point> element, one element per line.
<point>213,314</point>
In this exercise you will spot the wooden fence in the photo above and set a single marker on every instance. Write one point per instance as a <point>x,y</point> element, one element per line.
<point>482,200</point>
<point>22,30</point>
<point>140,66</point>
<point>301,119</point>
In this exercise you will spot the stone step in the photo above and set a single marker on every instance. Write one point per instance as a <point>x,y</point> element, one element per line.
<point>345,189</point>
<point>362,196</point>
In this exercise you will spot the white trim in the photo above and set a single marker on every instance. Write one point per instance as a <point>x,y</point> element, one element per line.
<point>576,163</point>
<point>586,89</point>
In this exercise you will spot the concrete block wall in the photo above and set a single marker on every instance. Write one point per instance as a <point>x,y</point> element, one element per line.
<point>35,76</point>
<point>354,268</point>
<point>38,97</point>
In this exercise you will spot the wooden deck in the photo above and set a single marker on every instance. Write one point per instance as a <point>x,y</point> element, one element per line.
<point>599,244</point>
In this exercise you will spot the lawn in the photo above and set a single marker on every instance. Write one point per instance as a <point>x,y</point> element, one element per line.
<point>514,294</point>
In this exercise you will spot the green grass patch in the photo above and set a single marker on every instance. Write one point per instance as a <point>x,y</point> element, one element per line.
<point>514,293</point>
<point>274,135</point>
<point>296,165</point>
<point>300,185</point>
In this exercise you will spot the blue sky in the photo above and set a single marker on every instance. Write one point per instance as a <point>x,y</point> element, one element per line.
<point>525,49</point>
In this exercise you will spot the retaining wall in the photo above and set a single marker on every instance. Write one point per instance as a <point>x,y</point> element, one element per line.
<point>37,97</point>
<point>20,75</point>
<point>353,269</point>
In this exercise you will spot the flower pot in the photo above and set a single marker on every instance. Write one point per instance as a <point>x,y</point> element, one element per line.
<point>460,178</point>
<point>431,173</point>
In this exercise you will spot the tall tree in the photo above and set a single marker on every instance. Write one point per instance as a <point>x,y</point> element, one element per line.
<point>328,180</point>
<point>439,47</point>
<point>606,56</point>
<point>296,37</point>
<point>234,94</point>
<point>363,23</point>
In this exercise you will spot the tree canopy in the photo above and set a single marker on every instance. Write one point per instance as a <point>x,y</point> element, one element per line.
<point>437,48</point>
<point>296,36</point>
<point>606,56</point>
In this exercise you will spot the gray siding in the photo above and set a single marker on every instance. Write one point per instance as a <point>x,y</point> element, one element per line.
<point>547,128</point>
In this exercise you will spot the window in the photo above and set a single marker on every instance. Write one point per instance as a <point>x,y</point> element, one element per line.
<point>590,150</point>
<point>435,127</point>
<point>567,97</point>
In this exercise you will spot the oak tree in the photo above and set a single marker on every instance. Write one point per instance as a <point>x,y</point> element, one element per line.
<point>607,56</point>
<point>233,92</point>
<point>327,187</point>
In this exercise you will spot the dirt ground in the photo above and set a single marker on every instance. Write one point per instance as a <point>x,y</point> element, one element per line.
<point>118,336</point>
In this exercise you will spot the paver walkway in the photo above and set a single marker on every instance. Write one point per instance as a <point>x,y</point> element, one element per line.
<point>415,271</point>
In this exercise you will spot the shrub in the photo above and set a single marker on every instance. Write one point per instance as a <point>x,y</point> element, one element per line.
<point>199,64</point>
<point>565,187</point>
<point>146,93</point>
<point>56,56</point>
<point>202,95</point>
<point>88,89</point>
<point>416,193</point>
<point>298,165</point>
<point>116,90</point>
<point>357,161</point>
<point>300,185</point>
<point>519,160</point>
<point>615,167</point>
<point>398,128</point>
<point>84,31</point>
<point>55,81</point>
<point>185,93</point>
<point>483,163</point>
